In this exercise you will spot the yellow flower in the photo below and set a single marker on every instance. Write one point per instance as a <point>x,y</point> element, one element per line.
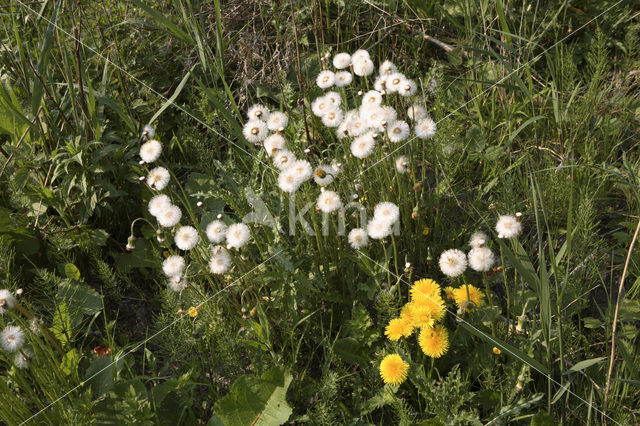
<point>407,315</point>
<point>422,315</point>
<point>496,351</point>
<point>434,342</point>
<point>448,292</point>
<point>397,328</point>
<point>426,230</point>
<point>468,296</point>
<point>193,312</point>
<point>426,292</point>
<point>393,369</point>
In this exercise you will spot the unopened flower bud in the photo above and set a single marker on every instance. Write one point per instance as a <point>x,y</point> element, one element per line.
<point>417,187</point>
<point>130,245</point>
<point>19,292</point>
<point>199,204</point>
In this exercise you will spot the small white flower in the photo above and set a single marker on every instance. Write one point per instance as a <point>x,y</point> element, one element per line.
<point>324,175</point>
<point>12,338</point>
<point>288,180</point>
<point>177,283</point>
<point>321,105</point>
<point>398,131</point>
<point>283,159</point>
<point>425,128</point>
<point>148,131</point>
<point>380,83</point>
<point>329,201</point>
<point>478,239</point>
<point>378,229</point>
<point>158,204</point>
<point>394,81</point>
<point>186,237</point>
<point>237,235</point>
<point>386,212</point>
<point>407,88</point>
<point>358,238</point>
<point>416,112</point>
<point>363,68</point>
<point>453,262</point>
<point>341,61</point>
<point>220,261</point>
<point>273,143</point>
<point>216,231</point>
<point>158,178</point>
<point>481,259</point>
<point>150,151</point>
<point>401,164</point>
<point>508,227</point>
<point>325,79</point>
<point>277,120</point>
<point>332,118</point>
<point>255,131</point>
<point>258,112</point>
<point>169,216</point>
<point>7,301</point>
<point>334,97</point>
<point>173,265</point>
<point>363,145</point>
<point>303,170</point>
<point>343,78</point>
<point>372,97</point>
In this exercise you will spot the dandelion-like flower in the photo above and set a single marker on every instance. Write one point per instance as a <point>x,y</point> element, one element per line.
<point>394,81</point>
<point>220,262</point>
<point>325,79</point>
<point>255,131</point>
<point>158,204</point>
<point>329,201</point>
<point>288,180</point>
<point>186,237</point>
<point>508,227</point>
<point>334,98</point>
<point>387,212</point>
<point>169,216</point>
<point>425,128</point>
<point>277,120</point>
<point>397,328</point>
<point>357,127</point>
<point>12,338</point>
<point>416,112</point>
<point>398,131</point>
<point>332,118</point>
<point>468,296</point>
<point>393,370</point>
<point>481,259</point>
<point>407,88</point>
<point>360,55</point>
<point>380,83</point>
<point>434,342</point>
<point>258,112</point>
<point>7,301</point>
<point>148,132</point>
<point>343,78</point>
<point>372,97</point>
<point>283,159</point>
<point>303,170</point>
<point>173,265</point>
<point>177,283</point>
<point>150,151</point>
<point>363,67</point>
<point>372,115</point>
<point>426,292</point>
<point>341,60</point>
<point>321,105</point>
<point>158,178</point>
<point>216,231</point>
<point>387,67</point>
<point>358,238</point>
<point>363,145</point>
<point>237,235</point>
<point>478,239</point>
<point>453,262</point>
<point>274,143</point>
<point>401,164</point>
<point>193,312</point>
<point>323,175</point>
<point>22,359</point>
<point>378,229</point>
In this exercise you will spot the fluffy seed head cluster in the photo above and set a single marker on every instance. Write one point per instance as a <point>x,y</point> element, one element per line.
<point>358,238</point>
<point>220,261</point>
<point>167,214</point>
<point>150,151</point>
<point>508,226</point>
<point>481,259</point>
<point>393,369</point>
<point>7,301</point>
<point>11,338</point>
<point>237,235</point>
<point>329,201</point>
<point>216,231</point>
<point>158,178</point>
<point>186,237</point>
<point>453,262</point>
<point>173,266</point>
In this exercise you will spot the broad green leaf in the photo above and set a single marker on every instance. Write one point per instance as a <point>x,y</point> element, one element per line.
<point>584,364</point>
<point>72,272</point>
<point>80,298</point>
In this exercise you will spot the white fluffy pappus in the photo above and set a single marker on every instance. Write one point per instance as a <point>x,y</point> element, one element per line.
<point>158,203</point>
<point>12,338</point>
<point>508,226</point>
<point>216,231</point>
<point>358,238</point>
<point>481,259</point>
<point>341,60</point>
<point>334,98</point>
<point>453,262</point>
<point>425,128</point>
<point>237,235</point>
<point>378,229</point>
<point>323,175</point>
<point>329,201</point>
<point>169,216</point>
<point>303,170</point>
<point>258,112</point>
<point>283,159</point>
<point>407,88</point>
<point>325,79</point>
<point>277,120</point>
<point>7,301</point>
<point>220,262</point>
<point>274,143</point>
<point>150,151</point>
<point>363,68</point>
<point>158,178</point>
<point>357,127</point>
<point>387,67</point>
<point>186,237</point>
<point>173,265</point>
<point>332,118</point>
<point>416,112</point>
<point>148,132</point>
<point>22,359</point>
<point>255,131</point>
<point>379,83</point>
<point>478,239</point>
<point>394,81</point>
<point>288,180</point>
<point>360,55</point>
<point>398,131</point>
<point>372,97</point>
<point>343,78</point>
<point>177,283</point>
<point>363,145</point>
<point>402,164</point>
<point>321,105</point>
<point>386,212</point>
<point>372,115</point>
